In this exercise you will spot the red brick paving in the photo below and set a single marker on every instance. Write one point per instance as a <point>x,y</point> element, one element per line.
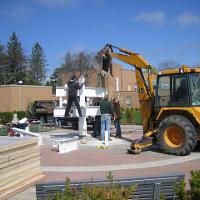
<point>83,157</point>
<point>176,168</point>
<point>96,157</point>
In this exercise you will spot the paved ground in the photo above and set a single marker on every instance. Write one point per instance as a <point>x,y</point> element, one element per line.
<point>90,161</point>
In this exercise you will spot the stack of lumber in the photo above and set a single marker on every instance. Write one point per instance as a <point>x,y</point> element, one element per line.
<point>19,165</point>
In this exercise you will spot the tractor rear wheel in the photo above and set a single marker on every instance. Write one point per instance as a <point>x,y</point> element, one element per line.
<point>177,135</point>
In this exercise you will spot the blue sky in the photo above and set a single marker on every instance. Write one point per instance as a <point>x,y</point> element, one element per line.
<point>157,29</point>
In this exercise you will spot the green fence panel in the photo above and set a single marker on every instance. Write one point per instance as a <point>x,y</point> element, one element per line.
<point>137,117</point>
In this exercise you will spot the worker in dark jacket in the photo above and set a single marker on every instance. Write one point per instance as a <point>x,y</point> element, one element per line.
<point>73,87</point>
<point>117,117</point>
<point>106,110</point>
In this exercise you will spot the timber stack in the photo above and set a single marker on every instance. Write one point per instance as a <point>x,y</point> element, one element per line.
<point>19,165</point>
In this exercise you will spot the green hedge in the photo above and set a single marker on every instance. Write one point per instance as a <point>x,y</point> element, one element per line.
<point>21,114</point>
<point>6,117</point>
<point>137,117</point>
<point>131,116</point>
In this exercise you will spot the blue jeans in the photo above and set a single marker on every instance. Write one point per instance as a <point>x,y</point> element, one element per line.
<point>105,125</point>
<point>118,128</point>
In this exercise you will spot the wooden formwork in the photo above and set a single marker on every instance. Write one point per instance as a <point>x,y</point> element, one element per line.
<point>19,165</point>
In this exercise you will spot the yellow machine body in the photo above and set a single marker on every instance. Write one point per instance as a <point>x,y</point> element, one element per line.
<point>161,119</point>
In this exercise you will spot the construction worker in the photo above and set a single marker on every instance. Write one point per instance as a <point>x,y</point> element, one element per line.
<point>117,117</point>
<point>73,87</point>
<point>106,110</point>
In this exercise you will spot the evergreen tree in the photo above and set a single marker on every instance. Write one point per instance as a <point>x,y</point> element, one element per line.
<point>3,64</point>
<point>15,61</point>
<point>55,80</point>
<point>38,64</point>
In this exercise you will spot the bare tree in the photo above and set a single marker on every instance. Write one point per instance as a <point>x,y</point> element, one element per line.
<point>68,62</point>
<point>83,62</point>
<point>168,64</point>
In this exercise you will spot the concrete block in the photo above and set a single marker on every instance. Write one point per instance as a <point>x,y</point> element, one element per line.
<point>64,145</point>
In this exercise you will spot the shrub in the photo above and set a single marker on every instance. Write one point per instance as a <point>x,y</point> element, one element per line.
<point>111,191</point>
<point>137,117</point>
<point>128,115</point>
<point>195,184</point>
<point>21,114</point>
<point>35,128</point>
<point>131,116</point>
<point>6,117</point>
<point>3,131</point>
<point>194,192</point>
<point>131,112</point>
<point>180,190</point>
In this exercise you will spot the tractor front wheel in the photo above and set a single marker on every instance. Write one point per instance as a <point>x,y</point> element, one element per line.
<point>177,135</point>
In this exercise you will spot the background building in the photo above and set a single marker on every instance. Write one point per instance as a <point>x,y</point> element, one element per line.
<point>18,97</point>
<point>121,85</point>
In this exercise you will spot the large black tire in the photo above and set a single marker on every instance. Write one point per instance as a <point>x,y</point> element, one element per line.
<point>177,135</point>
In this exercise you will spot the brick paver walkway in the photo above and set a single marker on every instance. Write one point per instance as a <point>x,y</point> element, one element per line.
<point>89,161</point>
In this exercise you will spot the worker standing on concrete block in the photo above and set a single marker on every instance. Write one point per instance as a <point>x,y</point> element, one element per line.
<point>106,110</point>
<point>73,87</point>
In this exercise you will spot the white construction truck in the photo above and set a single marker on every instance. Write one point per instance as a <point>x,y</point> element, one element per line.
<point>89,98</point>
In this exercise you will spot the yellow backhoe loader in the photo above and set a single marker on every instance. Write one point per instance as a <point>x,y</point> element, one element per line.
<point>170,110</point>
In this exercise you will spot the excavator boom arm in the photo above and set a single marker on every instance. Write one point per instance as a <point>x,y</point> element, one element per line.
<point>145,92</point>
<point>129,57</point>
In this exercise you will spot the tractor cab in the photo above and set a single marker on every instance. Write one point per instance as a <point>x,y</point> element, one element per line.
<point>178,88</point>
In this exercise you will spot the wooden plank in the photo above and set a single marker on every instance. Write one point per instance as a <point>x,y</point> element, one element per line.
<point>21,159</point>
<point>11,183</point>
<point>19,164</point>
<point>13,152</point>
<point>21,170</point>
<point>18,152</point>
<point>17,144</point>
<point>20,187</point>
<point>19,176</point>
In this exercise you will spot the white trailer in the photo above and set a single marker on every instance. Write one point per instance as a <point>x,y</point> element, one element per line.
<point>88,97</point>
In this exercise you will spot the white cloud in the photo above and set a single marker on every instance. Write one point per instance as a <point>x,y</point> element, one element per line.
<point>156,17</point>
<point>20,11</point>
<point>17,12</point>
<point>187,19</point>
<point>58,3</point>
